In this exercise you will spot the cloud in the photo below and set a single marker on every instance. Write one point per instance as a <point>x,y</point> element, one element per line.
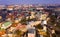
<point>29,2</point>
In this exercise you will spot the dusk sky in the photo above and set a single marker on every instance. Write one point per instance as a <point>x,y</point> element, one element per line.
<point>8,2</point>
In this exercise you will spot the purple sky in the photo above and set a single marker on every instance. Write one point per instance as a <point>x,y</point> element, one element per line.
<point>8,2</point>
